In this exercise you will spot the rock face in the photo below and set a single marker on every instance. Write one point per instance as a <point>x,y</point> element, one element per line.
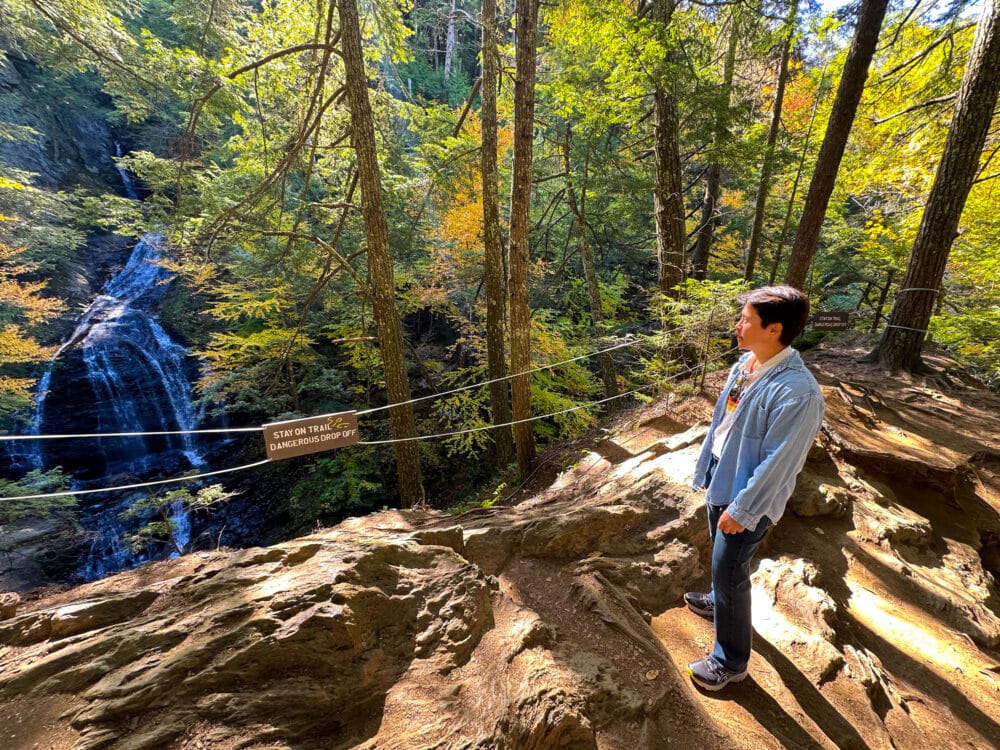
<point>384,632</point>
<point>57,146</point>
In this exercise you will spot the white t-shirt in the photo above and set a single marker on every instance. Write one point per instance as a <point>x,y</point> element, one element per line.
<point>741,386</point>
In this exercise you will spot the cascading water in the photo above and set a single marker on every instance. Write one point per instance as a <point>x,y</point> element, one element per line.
<point>132,378</point>
<point>127,183</point>
<point>118,372</point>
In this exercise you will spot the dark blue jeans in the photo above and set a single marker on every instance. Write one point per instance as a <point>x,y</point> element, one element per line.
<point>731,556</point>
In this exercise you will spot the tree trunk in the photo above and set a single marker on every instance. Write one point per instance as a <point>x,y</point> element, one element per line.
<point>668,199</point>
<point>882,297</point>
<point>708,222</point>
<point>845,106</point>
<point>520,205</point>
<point>578,206</point>
<point>787,223</point>
<point>493,244</point>
<point>380,272</point>
<point>449,45</point>
<point>977,96</point>
<point>713,182</point>
<point>767,165</point>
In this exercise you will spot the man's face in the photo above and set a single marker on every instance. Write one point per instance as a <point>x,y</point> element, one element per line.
<point>750,334</point>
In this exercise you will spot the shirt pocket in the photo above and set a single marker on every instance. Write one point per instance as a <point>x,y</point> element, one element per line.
<point>755,422</point>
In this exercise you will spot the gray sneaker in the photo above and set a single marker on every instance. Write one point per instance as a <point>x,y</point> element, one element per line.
<point>710,675</point>
<point>700,603</point>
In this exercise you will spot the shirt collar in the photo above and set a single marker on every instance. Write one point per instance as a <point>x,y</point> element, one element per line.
<point>774,361</point>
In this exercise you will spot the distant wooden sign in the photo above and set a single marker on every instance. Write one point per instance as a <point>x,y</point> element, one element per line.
<point>832,321</point>
<point>299,437</point>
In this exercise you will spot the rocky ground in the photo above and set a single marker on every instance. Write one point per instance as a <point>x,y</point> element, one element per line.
<point>556,621</point>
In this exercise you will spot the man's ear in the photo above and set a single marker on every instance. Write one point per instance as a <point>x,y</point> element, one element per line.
<point>776,328</point>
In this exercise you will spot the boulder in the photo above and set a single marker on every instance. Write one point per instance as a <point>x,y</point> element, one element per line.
<point>892,525</point>
<point>794,613</point>
<point>9,602</point>
<point>71,619</point>
<point>504,631</point>
<point>822,500</point>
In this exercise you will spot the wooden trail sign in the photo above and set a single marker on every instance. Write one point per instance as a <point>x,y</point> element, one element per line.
<point>832,321</point>
<point>299,437</point>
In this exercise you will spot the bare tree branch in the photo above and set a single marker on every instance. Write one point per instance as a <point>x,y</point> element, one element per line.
<point>916,107</point>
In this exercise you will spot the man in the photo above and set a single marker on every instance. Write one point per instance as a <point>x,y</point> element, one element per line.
<point>763,426</point>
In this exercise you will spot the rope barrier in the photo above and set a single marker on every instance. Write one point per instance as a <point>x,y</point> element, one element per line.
<point>532,419</point>
<point>519,374</point>
<point>131,434</point>
<point>907,328</point>
<point>187,478</point>
<point>192,477</point>
<point>504,424</point>
<point>224,430</point>
<point>918,289</point>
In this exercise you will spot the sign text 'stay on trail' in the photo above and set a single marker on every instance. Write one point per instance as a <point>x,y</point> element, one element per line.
<point>832,321</point>
<point>299,437</point>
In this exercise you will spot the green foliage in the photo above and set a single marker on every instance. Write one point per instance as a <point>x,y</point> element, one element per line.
<point>489,494</point>
<point>351,482</point>
<point>466,410</point>
<point>40,223</point>
<point>419,81</point>
<point>698,328</point>
<point>567,388</point>
<point>58,513</point>
<point>157,513</point>
<point>970,332</point>
<point>36,482</point>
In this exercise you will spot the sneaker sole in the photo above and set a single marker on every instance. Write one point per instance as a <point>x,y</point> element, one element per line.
<point>714,688</point>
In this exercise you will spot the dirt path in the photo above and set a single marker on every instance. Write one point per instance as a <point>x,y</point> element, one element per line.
<point>919,684</point>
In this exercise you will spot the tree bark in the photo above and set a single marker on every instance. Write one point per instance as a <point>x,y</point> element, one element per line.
<point>578,206</point>
<point>520,219</point>
<point>710,218</point>
<point>787,223</point>
<point>449,45</point>
<point>903,338</point>
<point>845,106</point>
<point>668,199</point>
<point>493,244</point>
<point>882,297</point>
<point>380,271</point>
<point>767,165</point>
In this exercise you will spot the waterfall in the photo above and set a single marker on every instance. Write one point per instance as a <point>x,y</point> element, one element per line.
<point>136,376</point>
<point>127,183</point>
<point>119,371</point>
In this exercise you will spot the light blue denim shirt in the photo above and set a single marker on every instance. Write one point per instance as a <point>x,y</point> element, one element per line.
<point>775,424</point>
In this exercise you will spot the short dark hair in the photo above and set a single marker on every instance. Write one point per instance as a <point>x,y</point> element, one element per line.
<point>779,304</point>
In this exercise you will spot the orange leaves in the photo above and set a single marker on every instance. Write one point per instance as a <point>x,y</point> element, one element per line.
<point>25,297</point>
<point>23,307</point>
<point>462,224</point>
<point>457,255</point>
